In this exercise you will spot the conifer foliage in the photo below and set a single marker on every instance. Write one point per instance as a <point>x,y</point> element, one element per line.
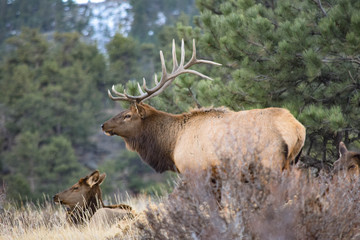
<point>302,55</point>
<point>49,102</point>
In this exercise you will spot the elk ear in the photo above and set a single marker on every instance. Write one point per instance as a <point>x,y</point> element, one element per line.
<point>140,110</point>
<point>101,178</point>
<point>93,178</point>
<point>342,149</point>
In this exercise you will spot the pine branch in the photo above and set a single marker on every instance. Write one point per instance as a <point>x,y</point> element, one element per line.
<point>318,2</point>
<point>259,45</point>
<point>261,78</point>
<point>193,95</point>
<point>342,59</point>
<point>211,8</point>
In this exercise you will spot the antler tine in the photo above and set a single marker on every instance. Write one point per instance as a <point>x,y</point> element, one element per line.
<point>121,97</point>
<point>139,88</point>
<point>207,62</point>
<point>144,83</point>
<point>163,67</point>
<point>156,79</point>
<point>158,85</point>
<point>116,92</point>
<point>199,74</point>
<point>194,61</point>
<point>182,58</point>
<point>112,97</point>
<point>175,63</point>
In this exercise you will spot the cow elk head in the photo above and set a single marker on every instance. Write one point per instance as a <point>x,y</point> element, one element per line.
<point>349,161</point>
<point>81,193</point>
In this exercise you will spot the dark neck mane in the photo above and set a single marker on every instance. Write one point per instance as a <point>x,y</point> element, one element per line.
<point>156,142</point>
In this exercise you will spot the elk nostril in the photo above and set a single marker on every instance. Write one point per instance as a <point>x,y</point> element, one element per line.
<point>102,126</point>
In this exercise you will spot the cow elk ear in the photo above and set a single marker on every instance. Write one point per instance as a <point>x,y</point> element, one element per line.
<point>140,110</point>
<point>342,149</point>
<point>93,179</point>
<point>101,178</point>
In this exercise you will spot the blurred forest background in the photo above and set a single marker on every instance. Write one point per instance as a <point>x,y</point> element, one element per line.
<point>58,58</point>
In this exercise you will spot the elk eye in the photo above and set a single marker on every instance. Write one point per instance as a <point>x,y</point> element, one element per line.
<point>75,188</point>
<point>127,116</point>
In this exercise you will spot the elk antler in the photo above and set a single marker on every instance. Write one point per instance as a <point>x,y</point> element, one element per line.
<point>166,78</point>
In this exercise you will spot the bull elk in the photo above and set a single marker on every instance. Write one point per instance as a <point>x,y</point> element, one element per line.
<point>198,139</point>
<point>84,201</point>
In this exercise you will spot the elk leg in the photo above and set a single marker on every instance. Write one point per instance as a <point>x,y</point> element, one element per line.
<point>216,184</point>
<point>297,157</point>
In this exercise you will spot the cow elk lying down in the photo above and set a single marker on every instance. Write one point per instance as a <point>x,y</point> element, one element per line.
<point>84,202</point>
<point>200,139</point>
<point>348,162</point>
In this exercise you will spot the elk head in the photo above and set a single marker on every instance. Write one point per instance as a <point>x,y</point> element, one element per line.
<point>128,123</point>
<point>80,194</point>
<point>348,161</point>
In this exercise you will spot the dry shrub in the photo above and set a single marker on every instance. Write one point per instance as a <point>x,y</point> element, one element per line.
<point>256,203</point>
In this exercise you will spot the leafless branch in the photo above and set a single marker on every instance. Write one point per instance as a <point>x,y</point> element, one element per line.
<point>318,2</point>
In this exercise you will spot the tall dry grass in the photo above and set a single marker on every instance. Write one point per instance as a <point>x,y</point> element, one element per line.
<point>47,221</point>
<point>256,203</point>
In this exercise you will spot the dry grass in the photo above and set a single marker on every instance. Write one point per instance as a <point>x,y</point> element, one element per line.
<point>47,221</point>
<point>256,203</point>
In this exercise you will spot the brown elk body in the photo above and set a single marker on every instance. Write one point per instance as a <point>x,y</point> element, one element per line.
<point>198,139</point>
<point>348,162</point>
<point>84,201</point>
<point>201,138</point>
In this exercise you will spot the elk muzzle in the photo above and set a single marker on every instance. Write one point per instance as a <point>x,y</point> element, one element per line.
<point>56,199</point>
<point>106,131</point>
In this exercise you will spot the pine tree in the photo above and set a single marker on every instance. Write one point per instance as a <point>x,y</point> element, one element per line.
<point>123,56</point>
<point>45,15</point>
<point>151,16</point>
<point>24,158</point>
<point>301,55</point>
<point>58,165</point>
<point>52,101</point>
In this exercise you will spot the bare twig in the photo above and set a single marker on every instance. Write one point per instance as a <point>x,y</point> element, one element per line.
<point>318,2</point>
